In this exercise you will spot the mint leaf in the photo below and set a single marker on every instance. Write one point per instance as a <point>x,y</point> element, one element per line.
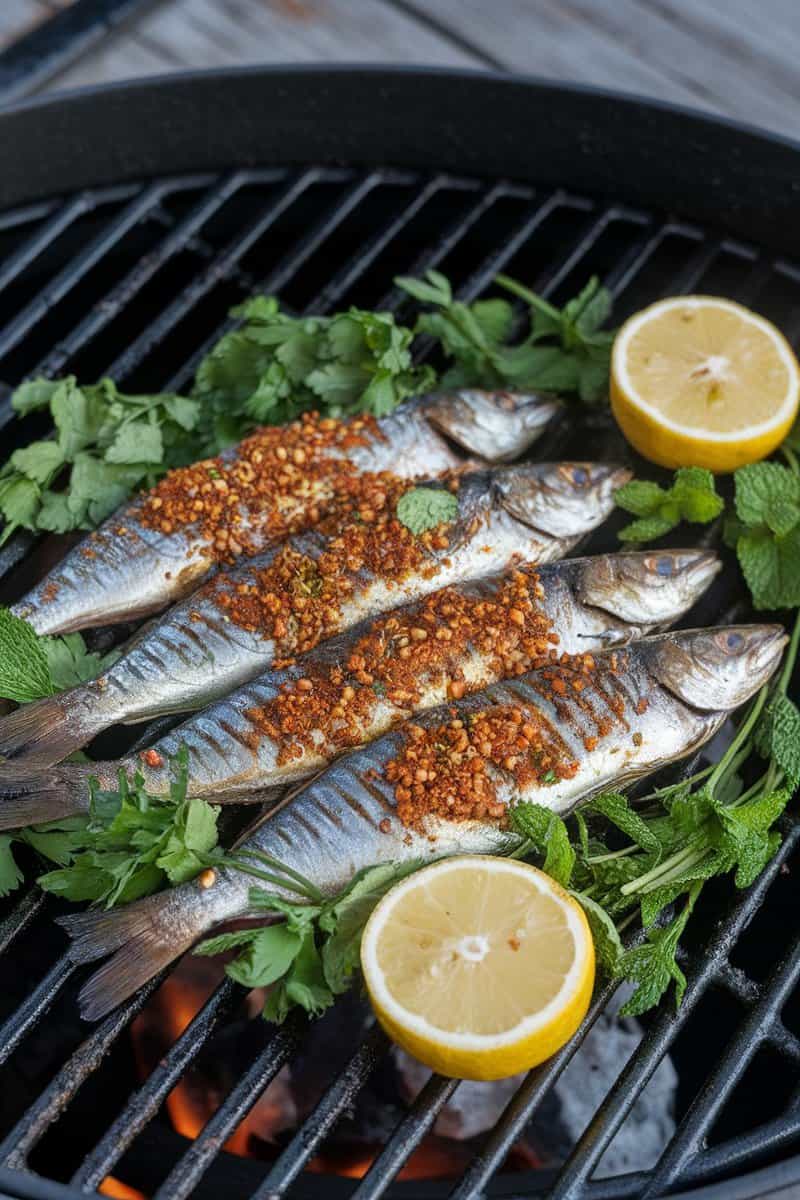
<point>771,567</point>
<point>696,495</point>
<point>641,497</point>
<point>24,672</point>
<point>616,808</point>
<point>423,508</point>
<point>764,488</point>
<point>653,966</point>
<point>548,835</point>
<point>607,944</point>
<point>646,530</point>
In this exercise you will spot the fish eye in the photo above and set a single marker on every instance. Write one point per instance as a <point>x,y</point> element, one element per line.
<point>733,641</point>
<point>580,475</point>
<point>662,565</point>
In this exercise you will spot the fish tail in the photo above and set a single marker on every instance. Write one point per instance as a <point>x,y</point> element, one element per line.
<point>47,796</point>
<point>142,938</point>
<point>46,731</point>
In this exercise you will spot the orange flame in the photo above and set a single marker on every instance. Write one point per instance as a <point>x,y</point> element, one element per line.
<point>115,1187</point>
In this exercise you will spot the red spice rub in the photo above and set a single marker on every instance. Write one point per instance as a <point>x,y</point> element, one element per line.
<point>442,771</point>
<point>406,655</point>
<point>282,479</point>
<point>297,599</point>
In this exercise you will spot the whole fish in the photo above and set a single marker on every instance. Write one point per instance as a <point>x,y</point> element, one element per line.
<point>312,586</point>
<point>288,724</point>
<point>444,783</point>
<point>279,480</point>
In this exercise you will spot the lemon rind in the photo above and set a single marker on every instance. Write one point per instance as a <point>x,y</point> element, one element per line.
<point>421,1026</point>
<point>629,392</point>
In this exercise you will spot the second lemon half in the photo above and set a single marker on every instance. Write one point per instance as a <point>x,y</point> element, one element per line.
<point>698,381</point>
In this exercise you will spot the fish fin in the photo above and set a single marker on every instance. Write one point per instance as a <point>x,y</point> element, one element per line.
<point>46,796</point>
<point>142,938</point>
<point>45,732</point>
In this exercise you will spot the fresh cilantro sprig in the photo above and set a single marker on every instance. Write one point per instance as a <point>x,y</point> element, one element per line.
<point>32,666</point>
<point>105,445</point>
<point>564,349</point>
<point>272,367</point>
<point>275,366</point>
<point>311,955</point>
<point>691,497</point>
<point>423,508</point>
<point>765,531</point>
<point>130,843</point>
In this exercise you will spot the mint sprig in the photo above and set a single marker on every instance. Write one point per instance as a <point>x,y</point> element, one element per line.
<point>766,532</point>
<point>692,497</point>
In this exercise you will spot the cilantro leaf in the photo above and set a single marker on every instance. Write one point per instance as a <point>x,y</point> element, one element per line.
<point>70,663</point>
<point>10,874</point>
<point>423,508</point>
<point>133,843</point>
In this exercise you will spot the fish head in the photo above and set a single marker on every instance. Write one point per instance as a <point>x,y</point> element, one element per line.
<point>495,426</point>
<point>716,669</point>
<point>646,587</point>
<point>563,500</point>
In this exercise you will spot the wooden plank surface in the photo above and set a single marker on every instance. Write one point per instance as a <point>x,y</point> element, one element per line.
<point>181,34</point>
<point>728,56</point>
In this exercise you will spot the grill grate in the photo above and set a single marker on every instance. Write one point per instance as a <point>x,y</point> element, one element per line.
<point>133,280</point>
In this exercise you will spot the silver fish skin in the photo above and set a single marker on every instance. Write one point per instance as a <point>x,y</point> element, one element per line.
<point>591,603</point>
<point>345,819</point>
<point>196,654</point>
<point>124,570</point>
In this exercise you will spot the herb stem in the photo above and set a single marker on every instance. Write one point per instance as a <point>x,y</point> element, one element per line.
<point>286,877</point>
<point>791,458</point>
<point>738,742</point>
<point>531,298</point>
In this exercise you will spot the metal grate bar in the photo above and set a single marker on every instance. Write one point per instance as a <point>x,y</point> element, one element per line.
<point>327,1112</point>
<point>46,1109</point>
<point>522,1106</point>
<point>47,233</point>
<point>406,1137</point>
<point>438,250</point>
<point>182,1178</point>
<point>722,1082</point>
<point>34,1006</point>
<point>764,1141</point>
<point>123,292</point>
<point>660,1037</point>
<point>355,268</point>
<point>79,266</point>
<point>20,917</point>
<point>145,1102</point>
<point>290,264</point>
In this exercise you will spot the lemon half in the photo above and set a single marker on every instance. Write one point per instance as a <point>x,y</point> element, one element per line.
<point>697,381</point>
<point>479,967</point>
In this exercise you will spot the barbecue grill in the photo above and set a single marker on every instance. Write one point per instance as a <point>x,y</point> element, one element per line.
<point>132,218</point>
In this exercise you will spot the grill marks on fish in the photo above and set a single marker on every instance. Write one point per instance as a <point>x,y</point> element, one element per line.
<point>193,655</point>
<point>337,824</point>
<point>278,481</point>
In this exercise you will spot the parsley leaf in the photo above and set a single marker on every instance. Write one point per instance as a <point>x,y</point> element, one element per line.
<point>423,508</point>
<point>132,843</point>
<point>692,497</point>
